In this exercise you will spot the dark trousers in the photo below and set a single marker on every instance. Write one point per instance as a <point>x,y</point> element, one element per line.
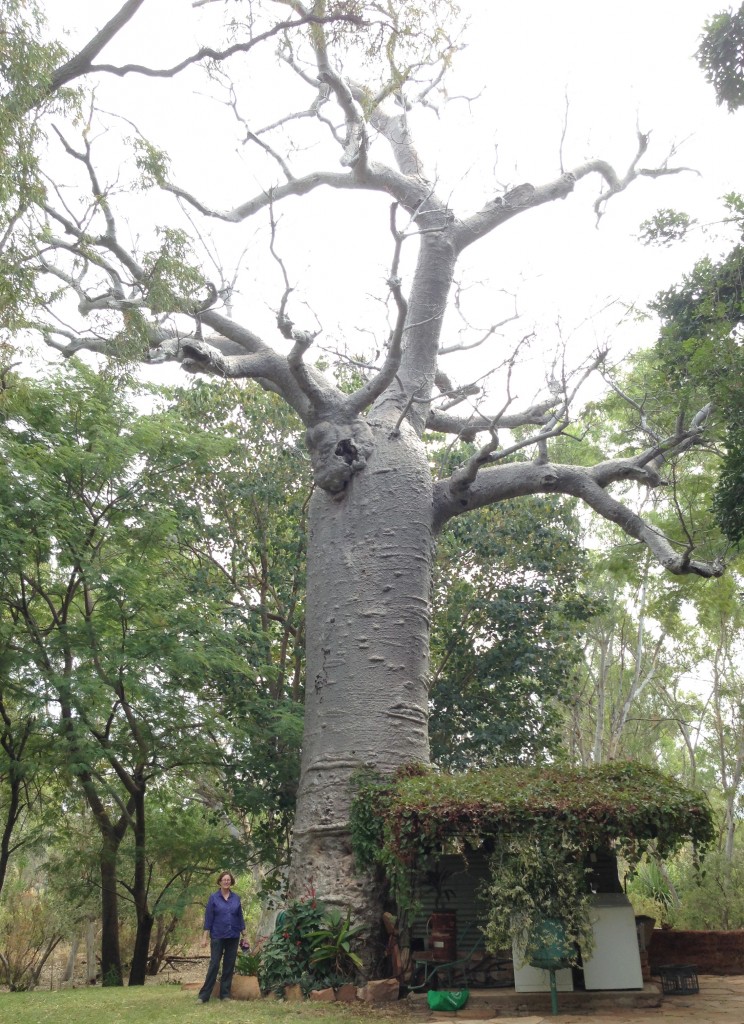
<point>225,950</point>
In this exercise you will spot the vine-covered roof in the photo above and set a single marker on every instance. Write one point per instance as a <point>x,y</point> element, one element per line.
<point>621,802</point>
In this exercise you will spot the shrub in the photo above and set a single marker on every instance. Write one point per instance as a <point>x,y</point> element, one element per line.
<point>311,947</point>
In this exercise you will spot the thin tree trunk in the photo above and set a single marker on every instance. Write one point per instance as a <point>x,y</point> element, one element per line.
<point>601,684</point>
<point>145,919</point>
<point>110,949</point>
<point>69,971</point>
<point>51,945</point>
<point>163,933</point>
<point>91,969</point>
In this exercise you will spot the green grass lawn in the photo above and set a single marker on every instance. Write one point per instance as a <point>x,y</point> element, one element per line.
<point>163,1004</point>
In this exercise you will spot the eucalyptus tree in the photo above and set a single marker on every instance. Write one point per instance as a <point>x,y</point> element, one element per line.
<point>356,77</point>
<point>721,739</point>
<point>699,346</point>
<point>628,701</point>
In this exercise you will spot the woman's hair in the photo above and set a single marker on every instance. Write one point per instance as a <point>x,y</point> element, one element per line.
<point>229,874</point>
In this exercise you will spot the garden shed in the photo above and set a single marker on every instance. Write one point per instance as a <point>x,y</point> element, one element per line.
<point>505,848</point>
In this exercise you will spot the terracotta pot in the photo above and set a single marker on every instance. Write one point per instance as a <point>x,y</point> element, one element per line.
<point>245,986</point>
<point>195,986</point>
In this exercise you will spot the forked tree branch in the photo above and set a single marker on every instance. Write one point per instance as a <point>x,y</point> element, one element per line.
<point>528,197</point>
<point>82,63</point>
<point>517,480</point>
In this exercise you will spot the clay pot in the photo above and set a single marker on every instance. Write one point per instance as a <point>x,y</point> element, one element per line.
<point>245,986</point>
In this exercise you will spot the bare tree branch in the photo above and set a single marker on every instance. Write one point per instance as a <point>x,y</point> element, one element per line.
<point>527,197</point>
<point>205,52</point>
<point>520,479</point>
<point>356,143</point>
<point>370,391</point>
<point>466,427</point>
<point>80,64</point>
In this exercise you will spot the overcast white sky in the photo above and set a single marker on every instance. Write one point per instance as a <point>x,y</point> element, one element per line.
<point>617,66</point>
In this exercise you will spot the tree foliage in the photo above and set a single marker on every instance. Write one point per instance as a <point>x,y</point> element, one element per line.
<point>27,63</point>
<point>110,619</point>
<point>721,56</point>
<point>699,348</point>
<point>241,516</point>
<point>509,612</point>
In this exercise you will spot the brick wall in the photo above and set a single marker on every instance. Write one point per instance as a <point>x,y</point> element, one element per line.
<point>710,952</point>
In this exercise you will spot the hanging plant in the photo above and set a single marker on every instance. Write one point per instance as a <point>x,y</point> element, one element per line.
<point>535,877</point>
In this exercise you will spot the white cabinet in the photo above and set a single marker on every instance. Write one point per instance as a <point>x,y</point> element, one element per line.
<point>616,961</point>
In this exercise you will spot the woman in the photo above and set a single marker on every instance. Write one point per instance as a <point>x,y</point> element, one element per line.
<point>223,926</point>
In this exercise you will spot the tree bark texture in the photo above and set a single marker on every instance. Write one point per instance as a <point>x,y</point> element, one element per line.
<point>69,971</point>
<point>90,951</point>
<point>370,558</point>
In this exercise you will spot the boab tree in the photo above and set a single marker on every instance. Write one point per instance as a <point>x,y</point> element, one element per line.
<point>377,506</point>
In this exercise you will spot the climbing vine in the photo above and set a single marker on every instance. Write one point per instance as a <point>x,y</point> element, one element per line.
<point>538,823</point>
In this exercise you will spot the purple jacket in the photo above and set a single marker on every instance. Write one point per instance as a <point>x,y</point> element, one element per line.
<point>223,918</point>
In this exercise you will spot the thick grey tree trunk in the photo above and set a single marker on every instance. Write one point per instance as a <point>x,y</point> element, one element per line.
<point>370,557</point>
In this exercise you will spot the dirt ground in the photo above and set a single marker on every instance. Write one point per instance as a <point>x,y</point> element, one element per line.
<point>192,968</point>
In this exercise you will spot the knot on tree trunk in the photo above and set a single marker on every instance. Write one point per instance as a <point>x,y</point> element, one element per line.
<point>338,451</point>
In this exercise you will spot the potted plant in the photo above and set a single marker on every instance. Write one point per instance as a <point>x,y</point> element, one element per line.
<point>245,984</point>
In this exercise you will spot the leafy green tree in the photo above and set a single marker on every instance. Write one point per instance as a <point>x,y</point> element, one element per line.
<point>644,639</point>
<point>25,764</point>
<point>699,349</point>
<point>509,613</point>
<point>241,520</point>
<point>721,741</point>
<point>27,64</point>
<point>105,610</point>
<point>663,680</point>
<point>637,649</point>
